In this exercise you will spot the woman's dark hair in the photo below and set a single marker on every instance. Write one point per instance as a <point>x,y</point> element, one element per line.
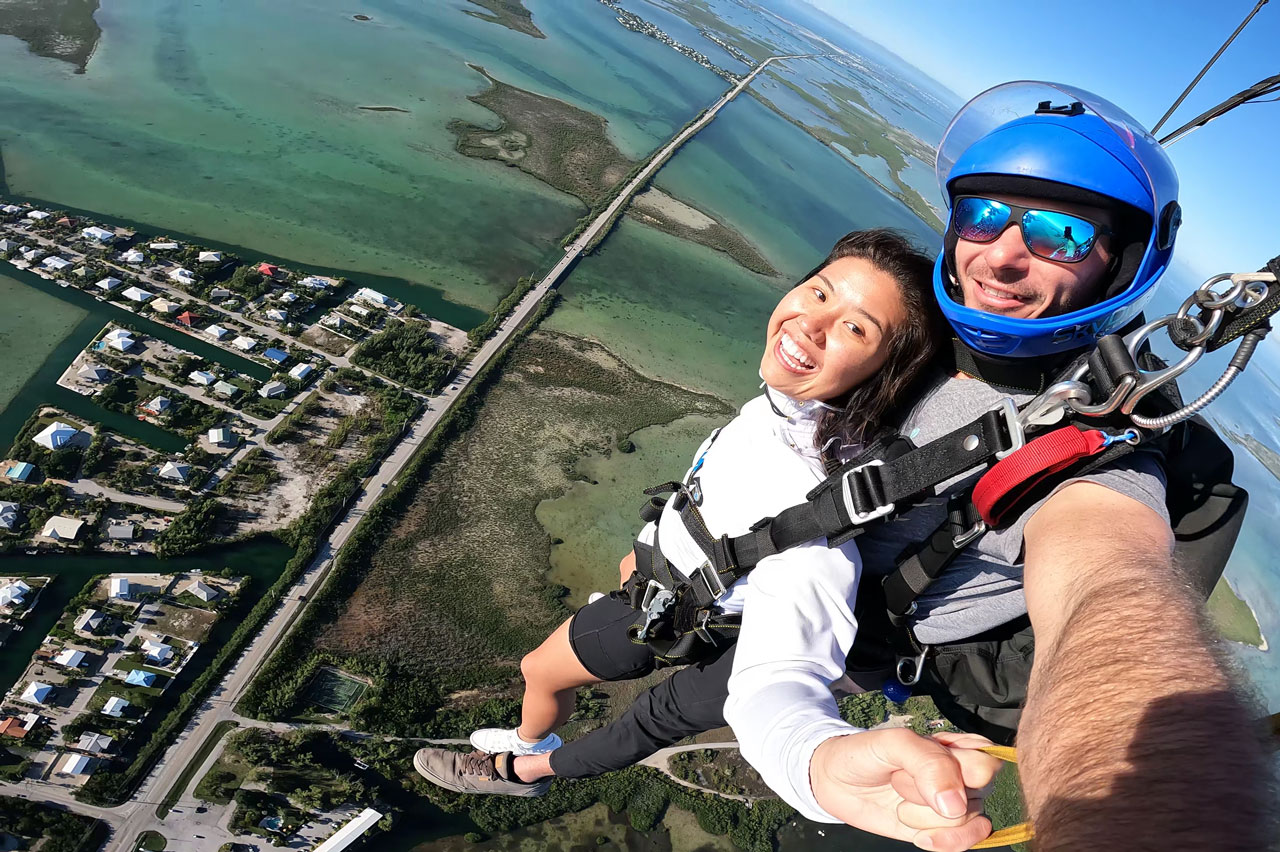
<point>875,404</point>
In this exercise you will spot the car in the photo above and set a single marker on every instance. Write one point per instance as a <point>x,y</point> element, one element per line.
<point>201,810</point>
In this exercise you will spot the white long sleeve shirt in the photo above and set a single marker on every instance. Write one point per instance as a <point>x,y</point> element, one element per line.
<point>797,605</point>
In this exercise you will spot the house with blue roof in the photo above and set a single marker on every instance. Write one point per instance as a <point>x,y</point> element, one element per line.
<point>276,355</point>
<point>19,471</point>
<point>138,677</point>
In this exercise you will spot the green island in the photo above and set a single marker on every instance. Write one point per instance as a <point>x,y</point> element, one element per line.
<point>1233,617</point>
<point>508,13</point>
<point>862,133</point>
<point>569,148</point>
<point>57,29</point>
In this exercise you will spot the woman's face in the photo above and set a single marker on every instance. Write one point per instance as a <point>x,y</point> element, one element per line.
<point>830,334</point>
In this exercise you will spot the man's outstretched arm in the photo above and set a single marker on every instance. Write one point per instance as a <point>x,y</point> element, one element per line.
<point>1134,736</point>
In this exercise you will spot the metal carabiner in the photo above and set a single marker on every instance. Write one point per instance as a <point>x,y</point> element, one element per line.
<point>918,668</point>
<point>1149,381</point>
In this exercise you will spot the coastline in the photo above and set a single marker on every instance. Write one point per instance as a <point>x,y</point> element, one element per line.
<point>1264,647</point>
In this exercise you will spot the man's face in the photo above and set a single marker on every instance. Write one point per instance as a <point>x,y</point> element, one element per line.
<point>1004,277</point>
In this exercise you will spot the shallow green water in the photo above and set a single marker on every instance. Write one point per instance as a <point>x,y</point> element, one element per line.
<point>32,324</point>
<point>597,520</point>
<point>261,560</point>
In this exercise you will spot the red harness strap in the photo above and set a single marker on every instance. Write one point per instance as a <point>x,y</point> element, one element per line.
<point>1009,479</point>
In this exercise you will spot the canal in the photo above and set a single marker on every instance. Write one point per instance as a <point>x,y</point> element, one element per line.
<point>42,388</point>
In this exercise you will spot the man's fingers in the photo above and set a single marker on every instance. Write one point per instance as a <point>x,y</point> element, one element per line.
<point>954,839</point>
<point>977,767</point>
<point>921,817</point>
<point>936,772</point>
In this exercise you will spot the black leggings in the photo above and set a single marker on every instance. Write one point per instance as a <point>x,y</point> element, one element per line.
<point>689,702</point>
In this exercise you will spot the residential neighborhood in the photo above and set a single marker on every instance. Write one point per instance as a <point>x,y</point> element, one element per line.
<point>93,680</point>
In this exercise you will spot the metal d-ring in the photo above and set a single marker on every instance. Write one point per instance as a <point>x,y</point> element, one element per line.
<point>1049,407</point>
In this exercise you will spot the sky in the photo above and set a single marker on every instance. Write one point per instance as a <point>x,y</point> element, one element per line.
<point>1140,56</point>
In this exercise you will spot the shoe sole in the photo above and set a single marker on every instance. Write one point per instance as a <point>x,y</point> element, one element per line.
<point>420,766</point>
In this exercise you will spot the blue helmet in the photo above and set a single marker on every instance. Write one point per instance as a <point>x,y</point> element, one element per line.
<point>1050,141</point>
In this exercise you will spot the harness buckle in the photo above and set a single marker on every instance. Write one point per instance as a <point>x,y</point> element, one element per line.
<point>709,576</point>
<point>657,605</point>
<point>851,507</point>
<point>700,628</point>
<point>1017,434</point>
<point>912,676</point>
<point>650,591</point>
<point>962,540</point>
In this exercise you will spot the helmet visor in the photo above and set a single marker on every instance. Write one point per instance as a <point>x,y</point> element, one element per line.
<point>1010,101</point>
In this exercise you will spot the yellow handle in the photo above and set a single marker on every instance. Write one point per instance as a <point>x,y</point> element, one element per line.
<point>1014,833</point>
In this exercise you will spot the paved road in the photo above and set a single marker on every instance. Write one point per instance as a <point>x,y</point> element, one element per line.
<point>139,813</point>
<point>89,488</point>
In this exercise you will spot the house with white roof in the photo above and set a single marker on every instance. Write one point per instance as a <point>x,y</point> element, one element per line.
<point>101,235</point>
<point>373,297</point>
<point>226,389</point>
<point>109,283</point>
<point>134,256</point>
<point>219,436</point>
<point>164,306</point>
<point>177,472</point>
<point>359,310</point>
<point>7,246</point>
<point>94,743</point>
<point>349,833</point>
<point>157,651</point>
<point>334,321</point>
<point>60,528</point>
<point>75,764</point>
<point>136,294</point>
<point>244,344</point>
<point>69,658</point>
<point>8,515</point>
<point>11,208</point>
<point>202,591</point>
<point>217,332</point>
<point>288,297</point>
<point>37,692</point>
<point>164,245</point>
<point>272,389</point>
<point>217,294</point>
<point>209,257</point>
<point>53,263</point>
<point>201,377</point>
<point>277,315</point>
<point>119,339</point>
<point>301,371</point>
<point>14,593</point>
<point>120,588</point>
<point>115,706</point>
<point>159,405</point>
<point>89,621</point>
<point>37,215</point>
<point>56,435</point>
<point>182,276</point>
<point>94,373</point>
<point>315,282</point>
<point>120,532</point>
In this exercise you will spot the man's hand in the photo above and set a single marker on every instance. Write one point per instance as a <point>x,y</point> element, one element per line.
<point>896,783</point>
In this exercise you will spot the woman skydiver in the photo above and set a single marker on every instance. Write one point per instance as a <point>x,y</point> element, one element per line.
<point>843,348</point>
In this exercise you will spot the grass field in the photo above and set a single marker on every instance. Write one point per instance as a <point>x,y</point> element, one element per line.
<point>332,690</point>
<point>461,580</point>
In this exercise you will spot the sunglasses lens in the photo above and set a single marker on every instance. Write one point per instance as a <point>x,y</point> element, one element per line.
<point>980,220</point>
<point>1058,236</point>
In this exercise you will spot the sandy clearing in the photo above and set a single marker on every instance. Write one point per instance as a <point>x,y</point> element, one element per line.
<point>657,201</point>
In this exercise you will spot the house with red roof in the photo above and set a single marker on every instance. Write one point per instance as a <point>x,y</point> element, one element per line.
<point>268,269</point>
<point>186,318</point>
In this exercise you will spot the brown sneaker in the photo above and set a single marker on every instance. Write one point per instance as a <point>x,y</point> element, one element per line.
<point>475,772</point>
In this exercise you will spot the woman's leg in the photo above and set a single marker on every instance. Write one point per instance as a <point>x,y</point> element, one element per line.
<point>689,702</point>
<point>627,567</point>
<point>552,675</point>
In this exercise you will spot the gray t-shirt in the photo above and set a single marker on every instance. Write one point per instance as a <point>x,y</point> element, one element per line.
<point>982,588</point>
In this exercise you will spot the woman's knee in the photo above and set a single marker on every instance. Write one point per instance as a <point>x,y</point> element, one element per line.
<point>627,567</point>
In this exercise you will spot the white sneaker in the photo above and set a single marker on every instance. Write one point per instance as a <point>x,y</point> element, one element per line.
<point>498,740</point>
<point>594,596</point>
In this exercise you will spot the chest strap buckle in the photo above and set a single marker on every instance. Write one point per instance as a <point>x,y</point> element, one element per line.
<point>851,505</point>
